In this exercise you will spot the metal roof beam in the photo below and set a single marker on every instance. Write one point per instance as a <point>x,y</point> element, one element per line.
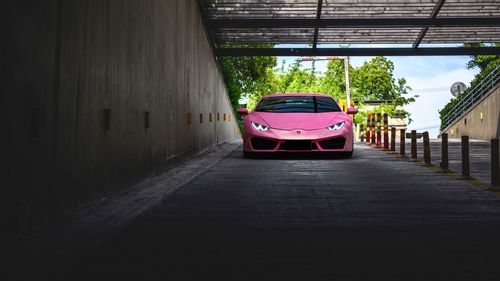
<point>357,51</point>
<point>353,23</point>
<point>437,8</point>
<point>424,30</point>
<point>316,29</point>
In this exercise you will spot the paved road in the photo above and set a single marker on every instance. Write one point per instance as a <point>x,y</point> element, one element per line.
<point>372,217</point>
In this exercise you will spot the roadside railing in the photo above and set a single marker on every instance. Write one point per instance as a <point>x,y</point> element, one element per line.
<point>374,130</point>
<point>473,97</point>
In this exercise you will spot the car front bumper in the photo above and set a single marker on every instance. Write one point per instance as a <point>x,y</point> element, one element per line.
<point>298,140</point>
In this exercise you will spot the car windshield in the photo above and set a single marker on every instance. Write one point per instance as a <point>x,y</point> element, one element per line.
<point>289,104</point>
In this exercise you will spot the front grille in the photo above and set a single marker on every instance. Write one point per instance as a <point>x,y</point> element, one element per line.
<point>297,145</point>
<point>335,143</point>
<point>258,143</point>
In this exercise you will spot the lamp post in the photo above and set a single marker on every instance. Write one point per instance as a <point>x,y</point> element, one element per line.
<point>347,87</point>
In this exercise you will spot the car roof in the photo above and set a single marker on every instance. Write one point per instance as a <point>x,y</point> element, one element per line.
<point>296,94</point>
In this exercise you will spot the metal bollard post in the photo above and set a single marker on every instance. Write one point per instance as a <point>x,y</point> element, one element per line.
<point>495,165</point>
<point>393,139</point>
<point>379,129</point>
<point>413,144</point>
<point>427,149</point>
<point>368,127</point>
<point>444,152</point>
<point>373,123</point>
<point>402,142</point>
<point>386,132</point>
<point>465,158</point>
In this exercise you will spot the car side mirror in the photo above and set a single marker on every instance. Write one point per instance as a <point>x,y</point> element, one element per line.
<point>242,111</point>
<point>352,110</point>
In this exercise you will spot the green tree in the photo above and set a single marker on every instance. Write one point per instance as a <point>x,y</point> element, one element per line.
<point>294,80</point>
<point>297,80</point>
<point>482,61</point>
<point>333,81</point>
<point>255,77</point>
<point>267,84</point>
<point>402,91</point>
<point>245,75</point>
<point>374,80</point>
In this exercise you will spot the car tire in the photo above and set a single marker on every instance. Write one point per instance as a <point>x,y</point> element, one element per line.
<point>347,154</point>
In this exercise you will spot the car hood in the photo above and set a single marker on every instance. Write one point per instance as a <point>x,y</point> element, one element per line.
<point>304,121</point>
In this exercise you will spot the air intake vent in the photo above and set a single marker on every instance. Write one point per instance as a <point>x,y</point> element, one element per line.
<point>258,143</point>
<point>335,143</point>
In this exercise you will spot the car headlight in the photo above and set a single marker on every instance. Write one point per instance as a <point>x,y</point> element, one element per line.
<point>259,127</point>
<point>337,126</point>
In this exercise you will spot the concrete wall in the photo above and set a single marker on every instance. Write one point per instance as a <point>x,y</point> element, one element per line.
<point>471,124</point>
<point>67,63</point>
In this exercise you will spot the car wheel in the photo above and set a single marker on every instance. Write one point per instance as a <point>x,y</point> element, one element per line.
<point>347,154</point>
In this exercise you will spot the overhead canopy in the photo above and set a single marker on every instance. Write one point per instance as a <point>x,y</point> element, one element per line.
<point>316,22</point>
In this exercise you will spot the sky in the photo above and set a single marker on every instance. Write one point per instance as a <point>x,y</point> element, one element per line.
<point>430,77</point>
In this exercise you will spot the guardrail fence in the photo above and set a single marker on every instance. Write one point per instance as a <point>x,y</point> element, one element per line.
<point>473,97</point>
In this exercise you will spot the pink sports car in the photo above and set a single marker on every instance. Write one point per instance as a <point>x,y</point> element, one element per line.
<point>297,123</point>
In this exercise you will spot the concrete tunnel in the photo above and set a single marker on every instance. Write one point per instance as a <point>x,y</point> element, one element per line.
<point>97,96</point>
<point>101,96</point>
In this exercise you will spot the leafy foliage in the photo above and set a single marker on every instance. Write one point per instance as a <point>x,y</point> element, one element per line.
<point>254,77</point>
<point>374,80</point>
<point>246,75</point>
<point>297,80</point>
<point>333,81</point>
<point>483,62</point>
<point>294,80</point>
